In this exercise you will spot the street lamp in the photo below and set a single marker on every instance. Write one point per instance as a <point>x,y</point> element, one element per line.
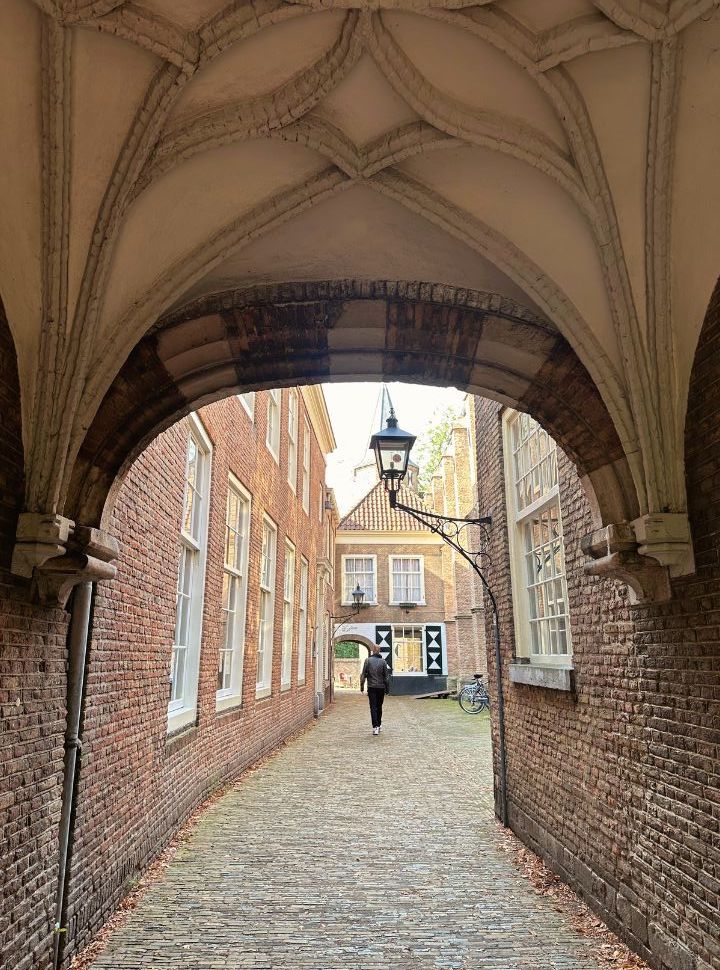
<point>358,597</point>
<point>392,454</point>
<point>391,448</point>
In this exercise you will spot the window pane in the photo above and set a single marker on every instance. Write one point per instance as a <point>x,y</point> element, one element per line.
<point>359,570</point>
<point>407,650</point>
<point>302,631</point>
<point>406,584</point>
<point>546,586</point>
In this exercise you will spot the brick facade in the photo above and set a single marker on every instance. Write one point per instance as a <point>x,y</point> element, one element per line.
<point>32,717</point>
<point>382,612</point>
<point>623,795</point>
<point>137,784</point>
<point>454,493</point>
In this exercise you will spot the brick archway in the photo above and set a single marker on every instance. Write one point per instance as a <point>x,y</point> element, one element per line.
<point>354,638</point>
<point>338,331</point>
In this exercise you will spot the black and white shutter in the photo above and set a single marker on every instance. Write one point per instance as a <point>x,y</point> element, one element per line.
<point>383,638</point>
<point>433,651</point>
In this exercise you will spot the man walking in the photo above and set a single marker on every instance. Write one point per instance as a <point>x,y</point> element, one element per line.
<point>377,674</point>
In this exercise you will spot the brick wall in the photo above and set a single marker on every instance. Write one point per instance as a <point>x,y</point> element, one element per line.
<point>454,494</point>
<point>383,613</point>
<point>137,785</point>
<point>618,785</point>
<point>32,718</point>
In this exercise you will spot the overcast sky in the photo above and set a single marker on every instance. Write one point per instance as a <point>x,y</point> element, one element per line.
<point>355,415</point>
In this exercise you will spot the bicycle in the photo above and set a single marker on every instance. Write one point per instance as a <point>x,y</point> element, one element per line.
<point>474,698</point>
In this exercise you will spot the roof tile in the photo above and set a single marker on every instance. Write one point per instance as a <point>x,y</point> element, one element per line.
<point>373,513</point>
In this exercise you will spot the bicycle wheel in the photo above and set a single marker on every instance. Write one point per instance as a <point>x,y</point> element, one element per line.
<point>484,699</point>
<point>470,701</point>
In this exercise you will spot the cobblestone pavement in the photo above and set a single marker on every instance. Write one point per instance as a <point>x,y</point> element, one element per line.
<point>352,851</point>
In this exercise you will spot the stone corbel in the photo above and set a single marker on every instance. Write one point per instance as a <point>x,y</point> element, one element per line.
<point>614,553</point>
<point>38,538</point>
<point>57,555</point>
<point>665,536</point>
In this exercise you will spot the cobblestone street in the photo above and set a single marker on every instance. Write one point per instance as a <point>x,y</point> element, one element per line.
<point>350,851</point>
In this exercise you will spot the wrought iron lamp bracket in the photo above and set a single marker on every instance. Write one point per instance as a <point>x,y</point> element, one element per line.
<point>451,530</point>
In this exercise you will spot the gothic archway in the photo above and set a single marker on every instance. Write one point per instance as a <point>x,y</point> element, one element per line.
<point>344,330</point>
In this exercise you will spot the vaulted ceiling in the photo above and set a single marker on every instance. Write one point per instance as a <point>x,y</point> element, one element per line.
<point>562,155</point>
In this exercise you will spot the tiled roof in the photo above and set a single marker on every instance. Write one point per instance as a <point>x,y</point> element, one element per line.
<point>373,513</point>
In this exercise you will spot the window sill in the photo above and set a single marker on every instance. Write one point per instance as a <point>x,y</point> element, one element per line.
<point>409,603</point>
<point>180,720</point>
<point>284,688</point>
<point>179,737</point>
<point>262,692</point>
<point>301,683</point>
<point>550,677</point>
<point>228,703</point>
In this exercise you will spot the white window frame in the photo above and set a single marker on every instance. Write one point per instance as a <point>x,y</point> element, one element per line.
<point>327,637</point>
<point>183,710</point>
<point>319,651</point>
<point>248,402</point>
<point>394,559</point>
<point>346,592</point>
<point>396,638</point>
<point>272,432</point>
<point>232,696</point>
<point>266,606</point>
<point>292,424</point>
<point>288,629</point>
<point>303,620</point>
<point>306,467</point>
<point>520,590</point>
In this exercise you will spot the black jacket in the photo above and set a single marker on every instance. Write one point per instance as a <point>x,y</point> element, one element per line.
<point>376,672</point>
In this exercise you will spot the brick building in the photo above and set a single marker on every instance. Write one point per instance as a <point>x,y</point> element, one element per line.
<point>614,705</point>
<point>422,604</point>
<point>196,671</point>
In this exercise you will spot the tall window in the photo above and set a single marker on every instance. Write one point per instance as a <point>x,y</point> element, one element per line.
<point>272,435</point>
<point>234,596</point>
<point>288,615</point>
<point>303,625</point>
<point>536,539</point>
<point>407,650</point>
<point>327,636</point>
<point>306,467</point>
<point>292,439</point>
<point>406,579</point>
<point>248,402</point>
<point>191,579</point>
<point>359,570</point>
<point>267,608</point>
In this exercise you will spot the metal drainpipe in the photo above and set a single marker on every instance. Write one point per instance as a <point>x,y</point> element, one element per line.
<point>501,712</point>
<point>77,653</point>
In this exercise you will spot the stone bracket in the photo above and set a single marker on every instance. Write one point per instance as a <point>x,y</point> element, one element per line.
<point>665,536</point>
<point>614,553</point>
<point>58,555</point>
<point>38,538</point>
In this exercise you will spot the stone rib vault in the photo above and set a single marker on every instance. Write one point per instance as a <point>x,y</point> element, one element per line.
<point>163,157</point>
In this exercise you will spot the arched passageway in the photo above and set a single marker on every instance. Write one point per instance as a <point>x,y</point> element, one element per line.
<point>219,147</point>
<point>560,157</point>
<point>307,333</point>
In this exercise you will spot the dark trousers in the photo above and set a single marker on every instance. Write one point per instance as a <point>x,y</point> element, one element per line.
<point>376,696</point>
